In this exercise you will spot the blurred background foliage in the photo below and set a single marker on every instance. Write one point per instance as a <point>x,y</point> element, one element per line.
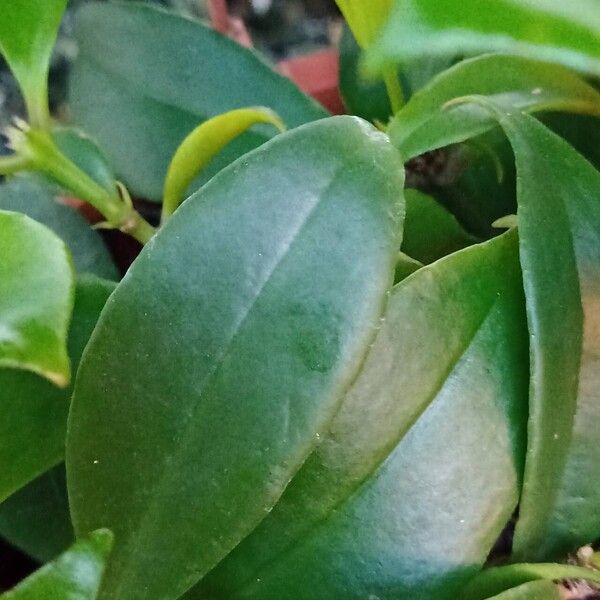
<point>280,29</point>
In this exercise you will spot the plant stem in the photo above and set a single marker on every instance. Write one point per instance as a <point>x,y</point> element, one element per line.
<point>491,582</point>
<point>12,164</point>
<point>38,148</point>
<point>394,89</point>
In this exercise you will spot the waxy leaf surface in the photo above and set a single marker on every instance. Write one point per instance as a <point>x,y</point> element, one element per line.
<point>74,575</point>
<point>559,32</point>
<point>171,75</point>
<point>34,411</point>
<point>36,298</point>
<point>39,200</point>
<point>246,318</point>
<point>559,215</point>
<point>398,500</point>
<point>425,123</point>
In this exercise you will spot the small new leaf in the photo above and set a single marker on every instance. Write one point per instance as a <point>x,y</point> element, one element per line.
<point>203,144</point>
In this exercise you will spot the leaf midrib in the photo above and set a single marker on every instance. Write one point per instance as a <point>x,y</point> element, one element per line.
<point>167,471</point>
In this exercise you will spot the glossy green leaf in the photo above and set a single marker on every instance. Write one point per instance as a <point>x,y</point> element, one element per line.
<point>398,501</point>
<point>426,123</point>
<point>535,590</point>
<point>28,31</point>
<point>36,298</point>
<point>75,575</point>
<point>171,75</point>
<point>203,144</point>
<point>500,579</point>
<point>561,32</point>
<point>40,201</point>
<point>34,412</point>
<point>36,519</point>
<point>278,270</point>
<point>430,231</point>
<point>559,212</point>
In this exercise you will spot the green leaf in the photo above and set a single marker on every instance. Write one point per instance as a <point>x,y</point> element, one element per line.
<point>368,98</point>
<point>405,266</point>
<point>398,501</point>
<point>28,31</point>
<point>474,180</point>
<point>75,575</point>
<point>581,131</point>
<point>561,32</point>
<point>279,269</point>
<point>558,217</point>
<point>34,412</point>
<point>84,153</point>
<point>36,298</point>
<point>39,200</point>
<point>426,123</point>
<point>430,231</point>
<point>365,20</point>
<point>535,590</point>
<point>203,144</point>
<point>172,74</point>
<point>36,519</point>
<point>500,579</point>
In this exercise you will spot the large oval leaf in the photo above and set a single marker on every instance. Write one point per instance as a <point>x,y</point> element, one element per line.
<point>172,74</point>
<point>34,412</point>
<point>425,123</point>
<point>559,213</point>
<point>75,575</point>
<point>227,348</point>
<point>36,298</point>
<point>38,200</point>
<point>398,501</point>
<point>564,32</point>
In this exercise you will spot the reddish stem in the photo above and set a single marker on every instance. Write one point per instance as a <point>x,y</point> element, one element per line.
<point>219,15</point>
